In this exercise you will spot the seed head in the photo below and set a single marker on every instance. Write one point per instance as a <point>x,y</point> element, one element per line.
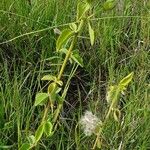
<point>89,123</point>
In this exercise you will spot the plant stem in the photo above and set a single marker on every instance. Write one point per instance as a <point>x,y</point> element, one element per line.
<point>61,72</point>
<point>58,78</point>
<point>64,65</point>
<point>57,111</point>
<point>67,57</point>
<point>45,113</point>
<point>107,117</point>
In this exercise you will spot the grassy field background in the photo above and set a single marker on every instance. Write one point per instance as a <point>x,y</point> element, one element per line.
<point>27,52</point>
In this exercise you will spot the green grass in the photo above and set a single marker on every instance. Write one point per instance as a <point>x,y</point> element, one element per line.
<point>122,46</point>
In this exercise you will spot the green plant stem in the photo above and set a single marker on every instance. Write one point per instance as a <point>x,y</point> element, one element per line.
<point>57,112</point>
<point>19,133</point>
<point>58,78</point>
<point>61,72</point>
<point>107,117</point>
<point>45,113</point>
<point>64,64</point>
<point>113,104</point>
<point>67,57</point>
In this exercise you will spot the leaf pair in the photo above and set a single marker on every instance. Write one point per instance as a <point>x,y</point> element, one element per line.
<point>111,93</point>
<point>53,89</point>
<point>46,127</point>
<point>41,98</point>
<point>114,92</point>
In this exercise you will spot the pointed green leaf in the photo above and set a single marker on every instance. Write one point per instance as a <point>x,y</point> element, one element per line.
<point>40,98</point>
<point>39,132</point>
<point>48,128</point>
<point>25,146</point>
<point>77,58</point>
<point>109,4</point>
<point>82,8</point>
<point>125,81</point>
<point>49,78</point>
<point>64,36</point>
<point>91,33</point>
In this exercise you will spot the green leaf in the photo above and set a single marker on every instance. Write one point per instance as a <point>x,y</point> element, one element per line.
<point>73,27</point>
<point>51,87</point>
<point>109,4</point>
<point>49,78</point>
<point>91,33</point>
<point>77,58</point>
<point>64,36</point>
<point>39,132</point>
<point>125,81</point>
<point>111,93</point>
<point>48,128</point>
<point>52,78</point>
<point>25,146</point>
<point>117,114</point>
<point>58,89</point>
<point>31,139</point>
<point>40,98</point>
<point>82,8</point>
<point>113,96</point>
<point>54,90</point>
